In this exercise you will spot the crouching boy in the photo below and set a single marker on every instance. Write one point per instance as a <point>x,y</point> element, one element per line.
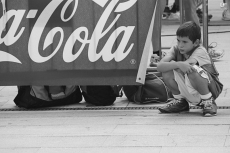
<point>190,74</point>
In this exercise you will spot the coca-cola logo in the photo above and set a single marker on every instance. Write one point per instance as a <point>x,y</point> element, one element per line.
<point>80,35</point>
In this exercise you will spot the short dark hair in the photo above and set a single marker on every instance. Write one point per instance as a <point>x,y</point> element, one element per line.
<point>189,29</point>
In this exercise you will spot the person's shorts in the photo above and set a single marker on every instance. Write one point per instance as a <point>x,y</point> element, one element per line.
<point>186,89</point>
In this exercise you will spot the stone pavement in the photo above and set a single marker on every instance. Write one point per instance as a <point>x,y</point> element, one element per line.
<point>128,127</point>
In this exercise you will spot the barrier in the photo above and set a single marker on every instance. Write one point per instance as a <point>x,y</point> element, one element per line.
<point>83,42</point>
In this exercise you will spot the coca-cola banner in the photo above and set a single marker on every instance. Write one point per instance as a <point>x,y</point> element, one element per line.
<point>83,42</point>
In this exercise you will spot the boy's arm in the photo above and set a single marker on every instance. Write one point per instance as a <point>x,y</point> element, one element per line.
<point>167,64</point>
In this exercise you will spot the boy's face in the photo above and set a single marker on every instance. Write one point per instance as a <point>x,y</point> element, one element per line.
<point>185,45</point>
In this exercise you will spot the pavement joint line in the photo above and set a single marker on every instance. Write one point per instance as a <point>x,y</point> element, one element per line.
<point>98,108</point>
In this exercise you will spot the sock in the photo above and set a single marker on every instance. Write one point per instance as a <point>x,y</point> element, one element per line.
<point>207,96</point>
<point>178,96</point>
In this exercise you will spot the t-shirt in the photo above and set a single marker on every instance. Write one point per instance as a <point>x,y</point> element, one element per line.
<point>200,54</point>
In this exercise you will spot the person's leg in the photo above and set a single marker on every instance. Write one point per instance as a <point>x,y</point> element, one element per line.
<point>167,2</point>
<point>198,81</point>
<point>190,11</point>
<point>177,2</point>
<point>156,46</point>
<point>178,103</point>
<point>228,4</point>
<point>193,87</point>
<point>170,82</point>
<point>226,12</point>
<point>176,82</point>
<point>176,6</point>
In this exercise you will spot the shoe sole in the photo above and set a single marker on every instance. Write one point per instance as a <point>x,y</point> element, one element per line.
<point>225,19</point>
<point>167,112</point>
<point>209,115</point>
<point>216,58</point>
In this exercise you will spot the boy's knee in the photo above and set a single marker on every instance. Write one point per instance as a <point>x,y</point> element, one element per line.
<point>168,75</point>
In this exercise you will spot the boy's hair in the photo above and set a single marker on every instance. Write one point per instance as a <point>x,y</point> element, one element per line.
<point>189,29</point>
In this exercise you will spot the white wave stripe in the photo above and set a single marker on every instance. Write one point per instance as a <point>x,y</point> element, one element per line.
<point>121,7</point>
<point>125,6</point>
<point>6,57</point>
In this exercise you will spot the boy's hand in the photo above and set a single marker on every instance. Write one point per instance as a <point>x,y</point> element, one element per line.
<point>186,67</point>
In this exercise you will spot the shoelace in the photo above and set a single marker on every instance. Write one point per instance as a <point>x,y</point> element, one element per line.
<point>212,45</point>
<point>211,51</point>
<point>174,102</point>
<point>207,103</point>
<point>214,53</point>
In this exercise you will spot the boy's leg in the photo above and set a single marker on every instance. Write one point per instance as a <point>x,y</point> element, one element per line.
<point>170,82</point>
<point>176,81</point>
<point>188,88</point>
<point>178,103</point>
<point>198,82</point>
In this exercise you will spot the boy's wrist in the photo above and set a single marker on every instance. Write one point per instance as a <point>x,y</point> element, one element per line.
<point>178,64</point>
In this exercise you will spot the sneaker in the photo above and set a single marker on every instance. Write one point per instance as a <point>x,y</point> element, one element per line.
<point>200,15</point>
<point>215,54</point>
<point>163,53</point>
<point>223,5</point>
<point>209,107</point>
<point>166,13</point>
<point>154,59</point>
<point>175,106</point>
<point>174,16</point>
<point>226,15</point>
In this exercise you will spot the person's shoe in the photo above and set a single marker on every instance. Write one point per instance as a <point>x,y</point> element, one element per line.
<point>175,106</point>
<point>200,15</point>
<point>226,15</point>
<point>154,59</point>
<point>215,54</point>
<point>174,16</point>
<point>223,5</point>
<point>209,107</point>
<point>166,13</point>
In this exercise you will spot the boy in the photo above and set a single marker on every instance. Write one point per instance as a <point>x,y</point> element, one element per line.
<point>182,73</point>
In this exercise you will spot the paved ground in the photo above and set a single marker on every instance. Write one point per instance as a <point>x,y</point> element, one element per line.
<point>122,130</point>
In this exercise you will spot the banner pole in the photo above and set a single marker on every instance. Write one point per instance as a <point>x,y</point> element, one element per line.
<point>147,52</point>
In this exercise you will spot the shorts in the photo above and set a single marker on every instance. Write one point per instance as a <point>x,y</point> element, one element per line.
<point>185,87</point>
